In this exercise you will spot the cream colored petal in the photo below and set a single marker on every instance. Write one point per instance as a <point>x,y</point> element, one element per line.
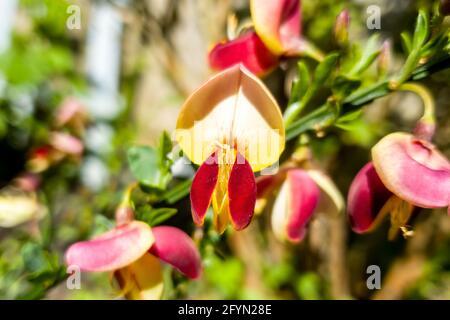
<point>20,208</point>
<point>233,109</point>
<point>331,200</point>
<point>280,212</point>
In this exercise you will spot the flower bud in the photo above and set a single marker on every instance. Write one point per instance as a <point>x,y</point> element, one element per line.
<point>341,27</point>
<point>384,59</point>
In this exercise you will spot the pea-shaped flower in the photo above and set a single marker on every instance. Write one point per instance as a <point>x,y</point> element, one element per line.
<point>406,172</point>
<point>277,33</point>
<point>133,251</point>
<point>231,126</point>
<point>299,195</point>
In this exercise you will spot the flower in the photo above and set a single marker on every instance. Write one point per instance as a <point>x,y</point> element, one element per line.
<point>60,145</point>
<point>70,110</point>
<point>231,126</point>
<point>133,251</point>
<point>341,27</point>
<point>301,193</point>
<point>406,172</point>
<point>18,206</point>
<point>277,34</point>
<point>248,49</point>
<point>66,143</point>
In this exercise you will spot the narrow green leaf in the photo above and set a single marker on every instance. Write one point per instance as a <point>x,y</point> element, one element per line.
<point>299,89</point>
<point>324,69</point>
<point>178,192</point>
<point>160,215</point>
<point>406,42</point>
<point>300,85</point>
<point>343,86</point>
<point>165,146</point>
<point>421,31</point>
<point>370,53</point>
<point>154,216</point>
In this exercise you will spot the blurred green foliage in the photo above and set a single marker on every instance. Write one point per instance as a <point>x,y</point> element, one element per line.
<point>41,68</point>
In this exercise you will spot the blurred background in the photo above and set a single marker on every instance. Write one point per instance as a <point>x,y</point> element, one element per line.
<point>82,81</point>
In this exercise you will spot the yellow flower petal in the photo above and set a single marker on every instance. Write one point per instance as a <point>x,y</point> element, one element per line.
<point>233,110</point>
<point>141,280</point>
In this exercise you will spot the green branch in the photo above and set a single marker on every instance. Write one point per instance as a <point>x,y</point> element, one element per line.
<point>325,116</point>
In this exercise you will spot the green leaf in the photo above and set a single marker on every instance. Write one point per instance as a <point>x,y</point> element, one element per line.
<point>165,146</point>
<point>349,117</point>
<point>41,266</point>
<point>422,30</point>
<point>406,42</point>
<point>370,53</point>
<point>178,192</point>
<point>343,86</point>
<point>300,85</point>
<point>321,75</point>
<point>320,117</point>
<point>154,216</point>
<point>324,69</point>
<point>420,36</point>
<point>159,215</point>
<point>34,258</point>
<point>147,167</point>
<point>299,90</point>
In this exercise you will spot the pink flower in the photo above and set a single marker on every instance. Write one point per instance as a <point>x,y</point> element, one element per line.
<point>70,109</point>
<point>66,143</point>
<point>406,172</point>
<point>133,251</point>
<point>301,193</point>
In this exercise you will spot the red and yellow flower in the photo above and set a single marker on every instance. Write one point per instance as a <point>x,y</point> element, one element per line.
<point>231,126</point>
<point>276,34</point>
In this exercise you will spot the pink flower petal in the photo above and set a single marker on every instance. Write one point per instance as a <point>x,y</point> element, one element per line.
<point>366,197</point>
<point>177,249</point>
<point>66,143</point>
<point>294,206</point>
<point>277,23</point>
<point>304,199</point>
<point>241,193</point>
<point>68,110</point>
<point>112,250</point>
<point>203,186</point>
<point>248,49</point>
<point>413,169</point>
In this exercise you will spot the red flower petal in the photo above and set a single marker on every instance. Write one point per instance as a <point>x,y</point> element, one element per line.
<point>248,49</point>
<point>366,197</point>
<point>203,185</point>
<point>112,250</point>
<point>177,249</point>
<point>266,184</point>
<point>242,193</point>
<point>304,197</point>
